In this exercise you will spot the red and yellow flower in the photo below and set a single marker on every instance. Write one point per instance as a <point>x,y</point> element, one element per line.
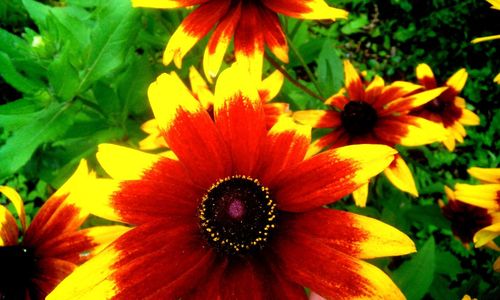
<point>448,108</point>
<point>239,213</point>
<point>253,24</point>
<point>51,246</point>
<point>268,89</point>
<point>480,221</point>
<point>373,113</point>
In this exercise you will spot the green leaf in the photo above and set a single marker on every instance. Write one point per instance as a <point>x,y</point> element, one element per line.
<point>37,11</point>
<point>10,74</point>
<point>111,40</point>
<point>415,276</point>
<point>63,77</point>
<point>330,72</point>
<point>19,148</point>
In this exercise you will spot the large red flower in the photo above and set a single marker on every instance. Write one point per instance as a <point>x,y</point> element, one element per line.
<point>52,246</point>
<point>375,113</point>
<point>240,214</point>
<point>252,23</point>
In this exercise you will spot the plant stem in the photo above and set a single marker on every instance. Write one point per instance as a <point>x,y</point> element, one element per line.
<point>295,82</point>
<point>306,67</point>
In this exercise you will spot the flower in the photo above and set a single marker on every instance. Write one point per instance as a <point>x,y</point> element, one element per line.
<point>252,23</point>
<point>485,196</point>
<point>375,114</point>
<point>448,108</point>
<point>239,213</point>
<point>52,246</point>
<point>268,89</point>
<point>465,219</point>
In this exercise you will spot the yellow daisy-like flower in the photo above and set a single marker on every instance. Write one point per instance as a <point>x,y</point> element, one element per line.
<point>252,23</point>
<point>375,113</point>
<point>268,89</point>
<point>448,108</point>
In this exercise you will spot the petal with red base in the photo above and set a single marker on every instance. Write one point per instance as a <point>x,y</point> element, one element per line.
<point>408,103</point>
<point>306,9</point>
<point>50,271</point>
<point>327,141</point>
<point>193,28</point>
<point>457,81</point>
<point>143,261</point>
<point>353,82</point>
<point>425,76</point>
<point>240,118</point>
<point>274,111</point>
<point>78,247</point>
<point>274,38</point>
<point>349,233</point>
<point>400,176</point>
<point>329,176</point>
<point>409,131</point>
<point>331,273</point>
<point>249,42</point>
<point>318,118</point>
<point>189,130</point>
<point>166,3</point>
<point>164,191</point>
<point>219,41</point>
<point>285,146</point>
<point>392,92</point>
<point>8,228</point>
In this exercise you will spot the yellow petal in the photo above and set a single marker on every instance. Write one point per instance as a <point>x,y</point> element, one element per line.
<point>486,234</point>
<point>400,175</point>
<point>18,203</point>
<point>361,195</point>
<point>457,80</point>
<point>491,175</point>
<point>125,163</point>
<point>271,86</point>
<point>482,195</point>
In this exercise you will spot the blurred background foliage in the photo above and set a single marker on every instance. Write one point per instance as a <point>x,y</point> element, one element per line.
<point>74,73</point>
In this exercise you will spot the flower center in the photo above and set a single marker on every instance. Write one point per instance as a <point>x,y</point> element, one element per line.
<point>466,219</point>
<point>358,117</point>
<point>18,267</point>
<point>237,215</point>
<point>445,108</point>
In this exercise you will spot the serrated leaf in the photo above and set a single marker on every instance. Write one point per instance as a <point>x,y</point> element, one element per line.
<point>19,148</point>
<point>415,276</point>
<point>111,40</point>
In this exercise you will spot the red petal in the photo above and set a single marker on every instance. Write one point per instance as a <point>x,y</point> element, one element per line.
<point>274,37</point>
<point>244,280</point>
<point>285,146</point>
<point>240,118</point>
<point>331,273</point>
<point>329,176</point>
<point>165,190</point>
<point>50,272</point>
<point>249,41</point>
<point>8,228</point>
<point>56,217</point>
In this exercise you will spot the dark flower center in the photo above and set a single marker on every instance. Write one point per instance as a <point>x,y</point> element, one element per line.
<point>18,265</point>
<point>445,108</point>
<point>237,215</point>
<point>358,117</point>
<point>466,219</point>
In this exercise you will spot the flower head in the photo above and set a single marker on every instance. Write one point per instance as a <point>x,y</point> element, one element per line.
<point>252,23</point>
<point>239,213</point>
<point>268,89</point>
<point>374,113</point>
<point>51,247</point>
<point>447,108</point>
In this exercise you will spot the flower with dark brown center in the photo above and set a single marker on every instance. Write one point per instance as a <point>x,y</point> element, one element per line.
<point>358,118</point>
<point>240,211</point>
